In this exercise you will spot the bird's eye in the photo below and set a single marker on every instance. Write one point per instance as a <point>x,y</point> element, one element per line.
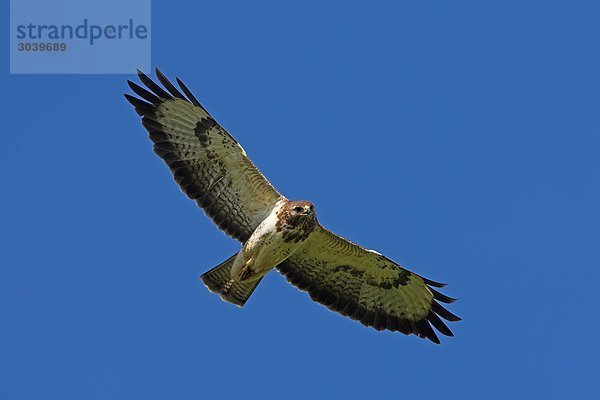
<point>298,209</point>
<point>312,207</point>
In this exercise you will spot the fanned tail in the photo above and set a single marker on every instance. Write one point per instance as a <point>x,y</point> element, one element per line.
<point>218,280</point>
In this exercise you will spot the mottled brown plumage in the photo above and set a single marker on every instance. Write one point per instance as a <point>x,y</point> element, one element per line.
<point>211,168</point>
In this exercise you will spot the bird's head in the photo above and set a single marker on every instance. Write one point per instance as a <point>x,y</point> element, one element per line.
<point>297,220</point>
<point>300,212</point>
<point>302,207</point>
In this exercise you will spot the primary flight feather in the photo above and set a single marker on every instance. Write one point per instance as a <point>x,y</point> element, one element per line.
<point>212,169</point>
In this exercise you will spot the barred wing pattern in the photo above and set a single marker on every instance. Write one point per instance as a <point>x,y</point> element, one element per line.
<point>367,286</point>
<point>207,162</point>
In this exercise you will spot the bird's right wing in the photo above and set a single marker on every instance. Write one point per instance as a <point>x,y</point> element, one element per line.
<point>207,162</point>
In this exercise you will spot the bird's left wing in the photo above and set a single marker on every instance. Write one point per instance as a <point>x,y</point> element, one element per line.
<point>367,286</point>
<point>207,162</point>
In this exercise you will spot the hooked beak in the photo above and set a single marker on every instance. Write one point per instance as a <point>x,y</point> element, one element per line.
<point>306,210</point>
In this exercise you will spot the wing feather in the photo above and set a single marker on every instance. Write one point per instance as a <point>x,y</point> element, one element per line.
<point>367,286</point>
<point>207,163</point>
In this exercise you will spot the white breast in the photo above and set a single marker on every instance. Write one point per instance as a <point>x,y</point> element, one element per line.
<point>266,248</point>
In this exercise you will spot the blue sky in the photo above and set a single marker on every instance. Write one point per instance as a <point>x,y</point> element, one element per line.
<point>461,139</point>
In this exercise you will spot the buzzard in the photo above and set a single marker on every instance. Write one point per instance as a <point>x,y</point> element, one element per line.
<point>213,169</point>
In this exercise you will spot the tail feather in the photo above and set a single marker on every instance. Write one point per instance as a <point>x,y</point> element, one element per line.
<point>218,280</point>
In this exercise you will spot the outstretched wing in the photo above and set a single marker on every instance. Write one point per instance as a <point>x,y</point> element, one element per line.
<point>207,162</point>
<point>367,286</point>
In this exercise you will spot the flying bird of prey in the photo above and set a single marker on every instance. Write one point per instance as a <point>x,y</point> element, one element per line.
<point>212,169</point>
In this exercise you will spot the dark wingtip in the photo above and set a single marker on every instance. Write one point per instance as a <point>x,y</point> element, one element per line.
<point>143,93</point>
<point>439,324</point>
<point>189,95</point>
<point>131,84</point>
<point>130,98</point>
<point>433,283</point>
<point>141,74</point>
<point>442,297</point>
<point>150,84</point>
<point>169,86</point>
<point>425,330</point>
<point>442,312</point>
